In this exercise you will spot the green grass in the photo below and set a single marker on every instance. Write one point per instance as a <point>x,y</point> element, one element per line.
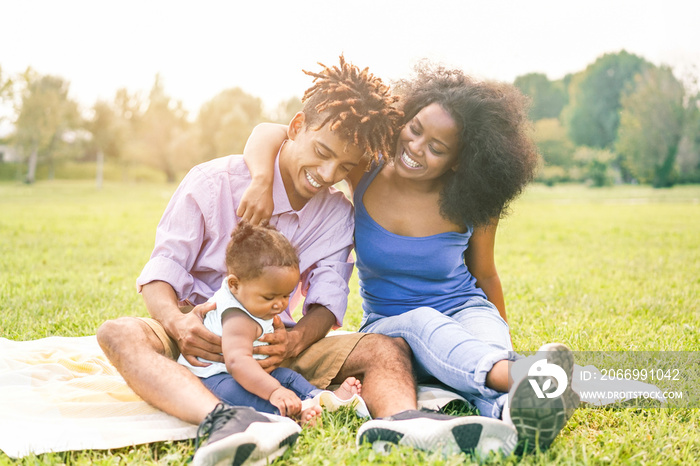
<point>598,269</point>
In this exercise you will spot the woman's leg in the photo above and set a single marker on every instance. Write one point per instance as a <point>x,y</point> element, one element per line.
<point>481,318</point>
<point>445,347</point>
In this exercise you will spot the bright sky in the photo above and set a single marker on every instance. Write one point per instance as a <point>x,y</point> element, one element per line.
<point>201,48</point>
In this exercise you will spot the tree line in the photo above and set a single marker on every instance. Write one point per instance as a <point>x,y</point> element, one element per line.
<point>130,131</point>
<point>621,120</point>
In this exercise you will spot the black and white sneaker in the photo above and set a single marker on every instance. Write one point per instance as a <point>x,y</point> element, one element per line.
<point>240,435</point>
<point>436,432</point>
<point>534,407</point>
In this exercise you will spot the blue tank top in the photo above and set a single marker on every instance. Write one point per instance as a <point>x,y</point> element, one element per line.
<point>400,273</point>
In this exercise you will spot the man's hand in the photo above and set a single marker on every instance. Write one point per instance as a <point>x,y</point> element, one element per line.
<point>286,401</point>
<point>278,349</point>
<point>194,339</point>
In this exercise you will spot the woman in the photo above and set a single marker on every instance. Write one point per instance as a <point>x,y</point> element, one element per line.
<point>425,228</point>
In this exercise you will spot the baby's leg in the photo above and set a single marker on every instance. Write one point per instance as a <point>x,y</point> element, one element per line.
<point>348,394</point>
<point>350,386</point>
<point>310,416</point>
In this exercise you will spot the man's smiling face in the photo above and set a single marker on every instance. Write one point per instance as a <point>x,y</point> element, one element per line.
<point>312,160</point>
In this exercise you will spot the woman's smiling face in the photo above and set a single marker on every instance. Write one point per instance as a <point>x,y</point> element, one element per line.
<point>428,144</point>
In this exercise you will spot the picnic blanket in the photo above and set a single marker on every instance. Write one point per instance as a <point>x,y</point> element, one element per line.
<point>62,394</point>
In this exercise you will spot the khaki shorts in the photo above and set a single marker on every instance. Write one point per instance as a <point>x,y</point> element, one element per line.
<point>319,363</point>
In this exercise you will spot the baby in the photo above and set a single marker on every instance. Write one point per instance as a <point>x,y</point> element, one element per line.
<point>263,271</point>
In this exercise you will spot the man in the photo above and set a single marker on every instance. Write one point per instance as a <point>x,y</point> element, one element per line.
<point>347,113</point>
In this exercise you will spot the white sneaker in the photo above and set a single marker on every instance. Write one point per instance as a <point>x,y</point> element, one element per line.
<point>242,436</point>
<point>436,432</point>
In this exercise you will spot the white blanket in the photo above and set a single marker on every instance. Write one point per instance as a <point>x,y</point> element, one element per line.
<point>62,394</point>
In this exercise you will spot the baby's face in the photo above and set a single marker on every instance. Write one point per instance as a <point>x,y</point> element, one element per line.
<point>268,295</point>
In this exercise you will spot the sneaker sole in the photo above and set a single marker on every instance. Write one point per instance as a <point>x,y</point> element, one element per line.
<point>256,446</point>
<point>562,355</point>
<point>539,420</point>
<point>468,434</point>
<point>264,459</point>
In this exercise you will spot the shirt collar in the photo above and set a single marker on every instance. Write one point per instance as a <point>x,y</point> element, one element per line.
<point>279,194</point>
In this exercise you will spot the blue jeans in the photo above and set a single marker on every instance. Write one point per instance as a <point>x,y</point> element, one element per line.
<point>458,347</point>
<point>229,391</point>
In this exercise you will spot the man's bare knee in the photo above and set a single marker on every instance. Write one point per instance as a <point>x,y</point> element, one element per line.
<point>402,346</point>
<point>381,348</point>
<point>384,365</point>
<point>117,335</point>
<point>388,345</point>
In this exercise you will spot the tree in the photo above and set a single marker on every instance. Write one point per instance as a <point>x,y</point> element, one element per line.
<point>6,91</point>
<point>114,126</point>
<point>651,126</point>
<point>159,130</point>
<point>596,165</point>
<point>556,149</point>
<point>548,97</point>
<point>553,143</point>
<point>286,110</point>
<point>592,115</point>
<point>225,122</point>
<point>688,158</point>
<point>108,135</point>
<point>128,111</point>
<point>46,114</point>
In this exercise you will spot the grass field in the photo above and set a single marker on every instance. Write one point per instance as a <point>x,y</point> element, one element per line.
<point>600,270</point>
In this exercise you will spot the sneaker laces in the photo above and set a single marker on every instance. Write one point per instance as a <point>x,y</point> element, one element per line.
<point>219,416</point>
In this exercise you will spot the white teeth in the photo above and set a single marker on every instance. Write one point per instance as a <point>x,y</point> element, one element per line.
<point>409,161</point>
<point>312,182</point>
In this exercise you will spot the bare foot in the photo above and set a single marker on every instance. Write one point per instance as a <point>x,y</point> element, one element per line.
<point>309,417</point>
<point>350,386</point>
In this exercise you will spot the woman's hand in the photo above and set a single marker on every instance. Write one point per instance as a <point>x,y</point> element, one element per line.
<point>256,204</point>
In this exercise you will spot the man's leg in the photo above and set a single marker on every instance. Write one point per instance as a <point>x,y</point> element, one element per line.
<point>389,389</point>
<point>236,434</point>
<point>384,366</point>
<point>139,356</point>
<point>444,349</point>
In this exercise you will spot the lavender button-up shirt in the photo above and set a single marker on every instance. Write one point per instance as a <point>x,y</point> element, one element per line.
<point>191,237</point>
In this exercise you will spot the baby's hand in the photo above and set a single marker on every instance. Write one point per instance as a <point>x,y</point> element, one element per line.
<point>286,401</point>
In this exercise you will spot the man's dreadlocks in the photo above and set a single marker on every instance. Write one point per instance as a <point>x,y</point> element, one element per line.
<point>356,104</point>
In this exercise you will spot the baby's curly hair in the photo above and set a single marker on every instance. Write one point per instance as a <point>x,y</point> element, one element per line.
<point>356,104</point>
<point>497,156</point>
<point>254,247</point>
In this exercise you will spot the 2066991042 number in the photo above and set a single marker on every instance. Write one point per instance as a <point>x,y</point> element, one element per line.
<point>640,374</point>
